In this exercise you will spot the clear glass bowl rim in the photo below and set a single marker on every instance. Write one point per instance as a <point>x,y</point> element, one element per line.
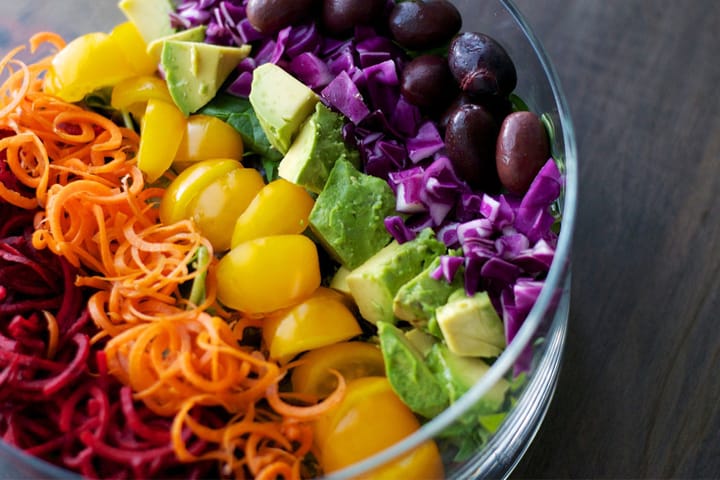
<point>525,335</point>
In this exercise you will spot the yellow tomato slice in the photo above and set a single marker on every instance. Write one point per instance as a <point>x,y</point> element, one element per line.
<point>280,208</point>
<point>133,46</point>
<point>133,94</point>
<point>175,204</point>
<point>268,274</point>
<point>86,64</point>
<point>370,418</point>
<point>352,359</point>
<point>162,128</point>
<point>217,207</point>
<point>208,137</point>
<point>322,319</point>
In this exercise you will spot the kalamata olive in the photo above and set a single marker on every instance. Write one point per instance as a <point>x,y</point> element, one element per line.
<point>423,24</point>
<point>481,65</point>
<point>426,81</point>
<point>270,16</point>
<point>341,16</point>
<point>522,149</point>
<point>498,107</point>
<point>458,101</point>
<point>470,138</point>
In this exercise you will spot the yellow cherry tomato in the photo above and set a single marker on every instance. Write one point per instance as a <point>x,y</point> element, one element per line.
<point>217,207</point>
<point>179,196</point>
<point>370,418</point>
<point>208,137</point>
<point>88,63</point>
<point>160,133</point>
<point>133,94</point>
<point>318,321</point>
<point>268,273</point>
<point>133,46</point>
<point>280,208</point>
<point>351,359</point>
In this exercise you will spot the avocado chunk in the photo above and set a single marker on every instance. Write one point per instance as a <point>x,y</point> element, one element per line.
<point>339,280</point>
<point>422,341</point>
<point>316,149</point>
<point>348,217</point>
<point>282,103</point>
<point>195,34</point>
<point>471,326</point>
<point>375,283</point>
<point>195,71</point>
<point>418,299</point>
<point>409,376</point>
<point>458,374</point>
<point>151,17</point>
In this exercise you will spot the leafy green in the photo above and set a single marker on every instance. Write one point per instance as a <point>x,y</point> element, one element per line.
<point>200,262</point>
<point>239,114</point>
<point>100,101</point>
<point>518,103</point>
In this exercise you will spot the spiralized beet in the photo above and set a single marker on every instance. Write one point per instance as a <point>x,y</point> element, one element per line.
<point>57,400</point>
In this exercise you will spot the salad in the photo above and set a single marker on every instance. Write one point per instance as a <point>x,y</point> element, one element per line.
<point>265,238</point>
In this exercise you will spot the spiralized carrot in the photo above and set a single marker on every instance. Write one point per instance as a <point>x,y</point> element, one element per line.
<point>96,211</point>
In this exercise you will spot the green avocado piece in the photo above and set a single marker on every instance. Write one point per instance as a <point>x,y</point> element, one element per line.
<point>418,299</point>
<point>409,376</point>
<point>471,326</point>
<point>458,374</point>
<point>281,102</point>
<point>195,34</point>
<point>316,149</point>
<point>339,280</point>
<point>374,284</point>
<point>151,17</point>
<point>422,341</point>
<point>348,217</point>
<point>195,71</point>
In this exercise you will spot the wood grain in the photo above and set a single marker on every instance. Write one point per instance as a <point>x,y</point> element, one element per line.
<point>638,393</point>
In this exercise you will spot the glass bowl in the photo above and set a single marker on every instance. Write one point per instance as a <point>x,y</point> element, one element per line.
<point>543,333</point>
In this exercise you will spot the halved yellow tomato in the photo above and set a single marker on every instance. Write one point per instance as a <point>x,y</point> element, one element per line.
<point>351,359</point>
<point>217,207</point>
<point>280,208</point>
<point>178,197</point>
<point>207,137</point>
<point>370,418</point>
<point>318,321</point>
<point>268,273</point>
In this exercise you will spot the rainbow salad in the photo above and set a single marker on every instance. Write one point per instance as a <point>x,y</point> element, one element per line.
<point>265,238</point>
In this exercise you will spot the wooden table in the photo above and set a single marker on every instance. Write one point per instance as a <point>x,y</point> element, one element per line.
<point>638,393</point>
<point>639,389</point>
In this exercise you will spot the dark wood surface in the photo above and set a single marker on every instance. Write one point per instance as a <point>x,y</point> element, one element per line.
<point>639,391</point>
